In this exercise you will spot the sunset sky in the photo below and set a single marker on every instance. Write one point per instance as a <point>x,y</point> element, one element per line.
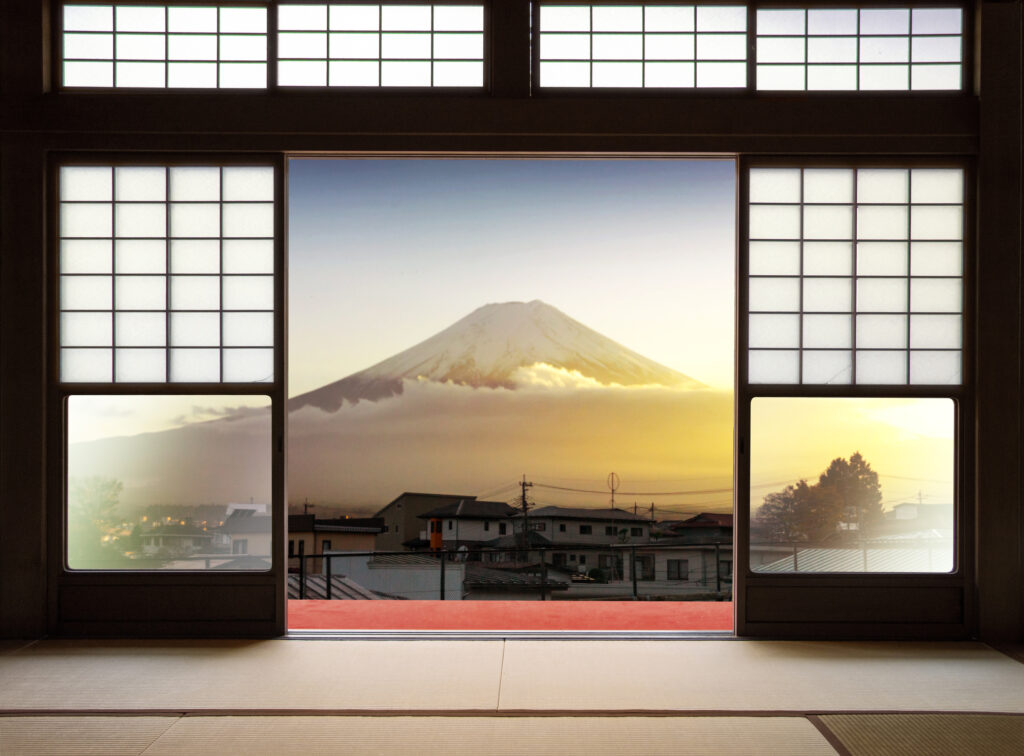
<point>385,253</point>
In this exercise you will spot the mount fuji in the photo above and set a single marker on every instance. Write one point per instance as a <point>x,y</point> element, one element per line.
<point>489,348</point>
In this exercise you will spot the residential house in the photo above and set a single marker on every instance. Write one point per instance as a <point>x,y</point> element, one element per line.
<point>468,523</point>
<point>308,534</point>
<point>402,525</point>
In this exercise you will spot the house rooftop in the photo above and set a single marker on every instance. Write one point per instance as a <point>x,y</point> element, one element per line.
<point>571,513</point>
<point>471,509</point>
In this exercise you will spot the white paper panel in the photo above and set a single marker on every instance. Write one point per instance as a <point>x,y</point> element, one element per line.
<point>89,17</point>
<point>302,73</point>
<point>195,365</point>
<point>409,46</point>
<point>355,17</point>
<point>86,220</point>
<point>827,331</point>
<point>459,74</point>
<point>833,50</point>
<point>881,331</point>
<point>141,256</point>
<point>617,74</point>
<point>140,75</point>
<point>936,332</point>
<point>86,365</point>
<point>355,45</point>
<point>939,368</point>
<point>671,18</point>
<point>773,366</point>
<point>353,73</point>
<point>721,18</point>
<point>827,367</point>
<point>881,368</point>
<point>832,185</point>
<point>192,75</point>
<point>395,73</point>
<point>459,46</point>
<point>195,184</point>
<point>140,47</point>
<point>885,77</point>
<point>248,329</point>
<point>301,17</point>
<point>243,20</point>
<point>86,183</point>
<point>564,74</point>
<point>924,77</point>
<point>775,185</point>
<point>405,17</point>
<point>782,22</point>
<point>936,295</point>
<point>669,75</point>
<point>883,185</point>
<point>193,329</point>
<point>617,46</point>
<point>881,295</point>
<point>248,256</point>
<point>828,294</point>
<point>936,222</point>
<point>85,293</point>
<point>248,292</point>
<point>140,366</point>
<point>195,256</point>
<point>936,259</point>
<point>828,258</point>
<point>828,222</point>
<point>458,18</point>
<point>195,220</point>
<point>774,259</point>
<point>882,258</point>
<point>882,222</point>
<point>829,77</point>
<point>141,292</point>
<point>243,75</point>
<point>191,19</point>
<point>140,19</point>
<point>781,77</point>
<point>617,18</point>
<point>140,220</point>
<point>195,292</point>
<point>768,331</point>
<point>774,221</point>
<point>774,294</point>
<point>780,50</point>
<point>88,74</point>
<point>670,47</point>
<point>249,219</point>
<point>937,185</point>
<point>141,329</point>
<point>86,329</point>
<point>249,365</point>
<point>721,75</point>
<point>85,256</point>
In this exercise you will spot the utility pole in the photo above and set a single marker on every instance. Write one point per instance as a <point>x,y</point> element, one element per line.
<point>306,505</point>
<point>525,506</point>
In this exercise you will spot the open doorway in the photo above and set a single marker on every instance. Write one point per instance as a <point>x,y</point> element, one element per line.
<point>511,380</point>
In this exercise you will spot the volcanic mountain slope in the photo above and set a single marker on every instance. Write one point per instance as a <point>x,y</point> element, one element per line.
<point>488,347</point>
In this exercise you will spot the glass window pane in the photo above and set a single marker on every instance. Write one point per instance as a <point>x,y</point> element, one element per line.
<point>871,485</point>
<point>168,482</point>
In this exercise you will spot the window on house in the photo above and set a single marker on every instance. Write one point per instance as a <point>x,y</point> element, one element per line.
<point>583,558</point>
<point>451,524</point>
<point>636,532</point>
<point>385,45</point>
<point>860,49</point>
<point>487,525</point>
<point>502,528</point>
<point>539,526</point>
<point>610,530</point>
<point>585,529</point>
<point>164,47</point>
<point>678,569</point>
<point>572,557</point>
<point>631,45</point>
<point>291,548</point>
<point>561,527</point>
<point>326,545</point>
<point>240,546</point>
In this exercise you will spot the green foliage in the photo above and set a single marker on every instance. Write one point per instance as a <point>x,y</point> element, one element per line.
<point>92,521</point>
<point>846,500</point>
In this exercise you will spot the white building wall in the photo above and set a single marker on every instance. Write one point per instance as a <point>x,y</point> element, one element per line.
<point>411,581</point>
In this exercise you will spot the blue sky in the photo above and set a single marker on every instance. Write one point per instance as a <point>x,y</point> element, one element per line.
<point>385,253</point>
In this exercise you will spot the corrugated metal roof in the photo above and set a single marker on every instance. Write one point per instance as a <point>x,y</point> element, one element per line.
<point>894,559</point>
<point>342,589</point>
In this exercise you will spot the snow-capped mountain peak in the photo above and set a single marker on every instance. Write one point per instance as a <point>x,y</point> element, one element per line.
<point>488,347</point>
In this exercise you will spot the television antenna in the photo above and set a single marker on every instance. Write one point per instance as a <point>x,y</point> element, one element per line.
<point>613,485</point>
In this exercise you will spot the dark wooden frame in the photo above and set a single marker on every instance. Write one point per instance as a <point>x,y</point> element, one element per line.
<point>981,126</point>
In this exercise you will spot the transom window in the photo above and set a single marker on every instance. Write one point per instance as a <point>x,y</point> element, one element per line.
<point>154,46</point>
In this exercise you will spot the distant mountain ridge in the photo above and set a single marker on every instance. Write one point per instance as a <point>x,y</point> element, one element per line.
<point>486,348</point>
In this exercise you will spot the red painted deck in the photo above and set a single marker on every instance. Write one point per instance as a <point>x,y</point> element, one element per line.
<point>510,615</point>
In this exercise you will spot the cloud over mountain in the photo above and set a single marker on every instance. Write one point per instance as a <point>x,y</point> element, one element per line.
<point>496,346</point>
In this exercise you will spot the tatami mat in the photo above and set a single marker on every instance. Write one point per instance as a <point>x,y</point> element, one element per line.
<point>518,676</point>
<point>761,676</point>
<point>197,675</point>
<point>928,734</point>
<point>80,736</point>
<point>494,736</point>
